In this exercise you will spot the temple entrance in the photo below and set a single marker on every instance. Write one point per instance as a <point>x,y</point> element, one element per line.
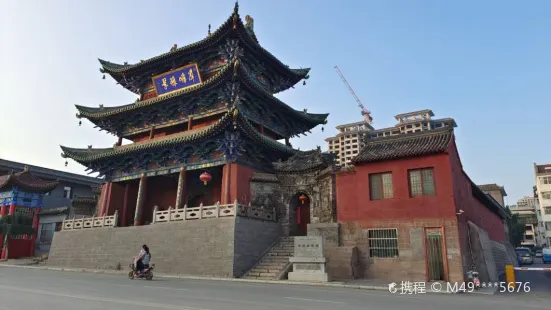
<point>199,192</point>
<point>299,207</point>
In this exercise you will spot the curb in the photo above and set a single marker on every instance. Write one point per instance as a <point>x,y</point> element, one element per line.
<point>168,276</point>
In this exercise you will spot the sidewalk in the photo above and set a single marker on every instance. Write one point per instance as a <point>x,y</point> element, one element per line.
<point>362,284</point>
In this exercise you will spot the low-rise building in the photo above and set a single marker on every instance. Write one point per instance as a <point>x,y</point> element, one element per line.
<point>415,214</point>
<point>527,209</point>
<point>57,205</point>
<point>496,191</point>
<point>543,192</point>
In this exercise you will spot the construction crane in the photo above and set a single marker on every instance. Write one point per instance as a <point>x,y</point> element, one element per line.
<point>365,112</point>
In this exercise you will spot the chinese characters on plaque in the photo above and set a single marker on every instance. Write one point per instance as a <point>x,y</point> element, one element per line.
<point>178,79</point>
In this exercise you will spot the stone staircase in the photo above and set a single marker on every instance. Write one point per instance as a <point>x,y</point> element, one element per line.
<point>275,263</point>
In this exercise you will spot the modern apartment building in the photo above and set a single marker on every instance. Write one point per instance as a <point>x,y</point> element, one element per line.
<point>350,138</point>
<point>543,191</point>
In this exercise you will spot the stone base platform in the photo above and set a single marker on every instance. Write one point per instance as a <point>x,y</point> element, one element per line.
<point>219,247</point>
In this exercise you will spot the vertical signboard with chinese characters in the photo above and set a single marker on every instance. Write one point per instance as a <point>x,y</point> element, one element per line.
<point>177,79</point>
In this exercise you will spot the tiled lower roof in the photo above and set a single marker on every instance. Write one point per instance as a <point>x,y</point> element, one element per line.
<point>85,156</point>
<point>27,181</point>
<point>305,161</point>
<point>405,145</point>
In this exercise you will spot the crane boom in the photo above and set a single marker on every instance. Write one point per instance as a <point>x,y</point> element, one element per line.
<point>365,112</point>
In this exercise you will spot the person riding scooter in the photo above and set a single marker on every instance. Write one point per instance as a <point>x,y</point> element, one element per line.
<point>142,260</point>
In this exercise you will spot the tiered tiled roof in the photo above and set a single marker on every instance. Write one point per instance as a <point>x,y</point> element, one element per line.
<point>232,71</point>
<point>27,181</point>
<point>406,145</point>
<point>305,161</point>
<point>129,75</point>
<point>232,118</point>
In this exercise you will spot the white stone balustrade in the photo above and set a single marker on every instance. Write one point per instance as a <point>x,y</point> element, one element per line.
<point>91,222</point>
<point>215,211</point>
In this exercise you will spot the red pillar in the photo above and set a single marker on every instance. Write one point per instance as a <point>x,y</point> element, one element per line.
<point>181,190</point>
<point>3,211</point>
<point>140,200</point>
<point>35,227</point>
<point>107,203</point>
<point>125,205</point>
<point>226,179</point>
<point>12,209</point>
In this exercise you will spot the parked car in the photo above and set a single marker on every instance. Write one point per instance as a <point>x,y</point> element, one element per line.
<point>539,253</point>
<point>546,255</point>
<point>526,257</point>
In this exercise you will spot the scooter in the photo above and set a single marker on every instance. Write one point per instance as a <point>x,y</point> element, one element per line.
<point>472,276</point>
<point>145,274</point>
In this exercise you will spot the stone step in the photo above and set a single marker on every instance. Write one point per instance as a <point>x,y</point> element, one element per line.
<point>272,266</point>
<point>281,251</point>
<point>279,254</point>
<point>275,259</point>
<point>264,270</point>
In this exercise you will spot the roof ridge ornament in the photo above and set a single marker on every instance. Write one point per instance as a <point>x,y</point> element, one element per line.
<point>249,24</point>
<point>235,15</point>
<point>26,168</point>
<point>208,33</point>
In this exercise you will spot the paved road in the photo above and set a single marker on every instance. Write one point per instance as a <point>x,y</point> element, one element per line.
<point>23,289</point>
<point>538,281</point>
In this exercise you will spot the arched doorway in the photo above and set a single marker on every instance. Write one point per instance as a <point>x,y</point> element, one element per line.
<point>300,213</point>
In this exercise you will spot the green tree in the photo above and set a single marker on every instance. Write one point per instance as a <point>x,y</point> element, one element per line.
<point>516,228</point>
<point>13,226</point>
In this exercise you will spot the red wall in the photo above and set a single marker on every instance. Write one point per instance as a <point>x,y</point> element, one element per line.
<point>18,248</point>
<point>240,183</point>
<point>353,199</point>
<point>160,191</point>
<point>474,210</point>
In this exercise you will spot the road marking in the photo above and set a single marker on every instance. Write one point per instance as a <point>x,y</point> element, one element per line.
<point>167,288</point>
<point>317,300</point>
<point>111,300</point>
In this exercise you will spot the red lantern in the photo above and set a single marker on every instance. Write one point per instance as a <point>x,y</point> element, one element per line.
<point>302,198</point>
<point>205,177</point>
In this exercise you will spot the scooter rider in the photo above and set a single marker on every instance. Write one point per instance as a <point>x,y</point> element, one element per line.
<point>143,259</point>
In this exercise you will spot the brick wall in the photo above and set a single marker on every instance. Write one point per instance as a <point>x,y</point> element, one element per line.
<point>410,264</point>
<point>224,247</point>
<point>201,247</point>
<point>329,232</point>
<point>252,239</point>
<point>343,262</point>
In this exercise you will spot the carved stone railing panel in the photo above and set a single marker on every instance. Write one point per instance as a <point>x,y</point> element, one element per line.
<point>215,211</point>
<point>90,222</point>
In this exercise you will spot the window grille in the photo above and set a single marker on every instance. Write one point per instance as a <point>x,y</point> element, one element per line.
<point>383,243</point>
<point>421,182</point>
<point>546,195</point>
<point>46,233</point>
<point>381,186</point>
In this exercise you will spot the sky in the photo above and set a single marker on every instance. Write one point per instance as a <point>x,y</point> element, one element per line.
<point>486,63</point>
